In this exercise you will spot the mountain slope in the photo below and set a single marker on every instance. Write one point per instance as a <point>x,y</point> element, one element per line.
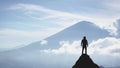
<point>72,33</point>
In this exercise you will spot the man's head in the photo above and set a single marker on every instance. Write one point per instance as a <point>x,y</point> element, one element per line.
<point>84,37</point>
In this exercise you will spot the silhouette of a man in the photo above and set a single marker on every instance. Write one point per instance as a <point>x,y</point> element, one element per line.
<point>84,44</point>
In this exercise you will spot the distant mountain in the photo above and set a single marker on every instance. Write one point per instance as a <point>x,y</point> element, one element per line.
<point>30,56</point>
<point>85,62</point>
<point>72,33</point>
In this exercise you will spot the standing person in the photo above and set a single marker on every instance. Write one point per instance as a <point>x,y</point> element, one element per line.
<point>84,44</point>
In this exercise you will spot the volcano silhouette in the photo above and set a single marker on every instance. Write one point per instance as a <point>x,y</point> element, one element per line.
<point>85,62</point>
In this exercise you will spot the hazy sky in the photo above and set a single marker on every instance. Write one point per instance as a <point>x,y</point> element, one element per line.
<point>26,21</point>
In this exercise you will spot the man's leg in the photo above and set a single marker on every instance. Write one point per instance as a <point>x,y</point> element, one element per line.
<point>82,49</point>
<point>85,50</point>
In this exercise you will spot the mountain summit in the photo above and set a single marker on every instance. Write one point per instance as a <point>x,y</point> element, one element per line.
<point>85,62</point>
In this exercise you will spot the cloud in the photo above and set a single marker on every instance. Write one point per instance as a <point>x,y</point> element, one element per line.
<point>105,46</point>
<point>30,34</point>
<point>43,42</point>
<point>45,13</point>
<point>65,18</point>
<point>66,47</point>
<point>112,5</point>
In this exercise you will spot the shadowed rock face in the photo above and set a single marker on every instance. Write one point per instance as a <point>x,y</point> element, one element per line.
<point>85,62</point>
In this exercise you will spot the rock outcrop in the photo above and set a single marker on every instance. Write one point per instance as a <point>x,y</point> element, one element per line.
<point>85,62</point>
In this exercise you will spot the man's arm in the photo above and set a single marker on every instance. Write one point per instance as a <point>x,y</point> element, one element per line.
<point>86,42</point>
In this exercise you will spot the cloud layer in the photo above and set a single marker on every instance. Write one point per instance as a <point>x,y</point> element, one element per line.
<point>105,46</point>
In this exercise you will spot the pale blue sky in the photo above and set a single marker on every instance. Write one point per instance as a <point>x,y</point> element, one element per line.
<point>23,21</point>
